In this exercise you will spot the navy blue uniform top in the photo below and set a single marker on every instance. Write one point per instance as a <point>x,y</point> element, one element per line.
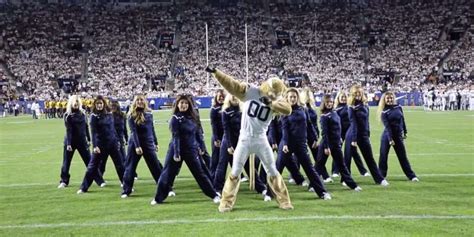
<point>103,130</point>
<point>295,126</point>
<point>120,124</point>
<point>216,122</point>
<point>343,112</point>
<point>331,129</point>
<point>77,130</point>
<point>274,131</point>
<point>394,121</point>
<point>186,135</point>
<point>142,135</point>
<point>231,118</point>
<point>313,117</point>
<point>359,117</point>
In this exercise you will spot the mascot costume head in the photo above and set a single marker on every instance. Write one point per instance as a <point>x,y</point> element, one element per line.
<point>273,88</point>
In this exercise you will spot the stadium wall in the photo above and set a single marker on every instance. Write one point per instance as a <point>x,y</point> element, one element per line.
<point>404,99</point>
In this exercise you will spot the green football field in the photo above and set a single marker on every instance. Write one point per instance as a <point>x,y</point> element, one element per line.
<point>440,147</point>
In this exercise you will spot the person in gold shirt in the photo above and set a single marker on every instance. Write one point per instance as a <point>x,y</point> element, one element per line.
<point>46,109</point>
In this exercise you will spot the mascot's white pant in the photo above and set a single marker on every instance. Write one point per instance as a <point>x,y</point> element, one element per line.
<point>257,145</point>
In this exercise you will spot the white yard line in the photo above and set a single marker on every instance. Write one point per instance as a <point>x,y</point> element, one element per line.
<point>254,219</point>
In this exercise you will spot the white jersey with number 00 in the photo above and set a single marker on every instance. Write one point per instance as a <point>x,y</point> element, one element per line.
<point>256,116</point>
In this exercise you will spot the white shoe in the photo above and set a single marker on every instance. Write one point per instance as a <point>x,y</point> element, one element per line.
<point>171,194</point>
<point>153,202</point>
<point>291,181</point>
<point>135,178</point>
<point>344,184</point>
<point>366,174</point>
<point>80,191</point>
<point>244,179</point>
<point>335,175</point>
<point>124,195</point>
<point>311,190</point>
<point>267,198</point>
<point>216,200</point>
<point>103,184</point>
<point>328,180</point>
<point>384,183</point>
<point>305,184</point>
<point>413,180</point>
<point>327,196</point>
<point>357,189</point>
<point>62,185</point>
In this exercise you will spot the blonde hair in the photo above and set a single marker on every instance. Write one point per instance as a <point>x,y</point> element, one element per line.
<point>338,98</point>
<point>227,103</point>
<point>292,89</point>
<point>307,97</point>
<point>71,101</point>
<point>382,104</point>
<point>354,89</point>
<point>138,117</point>
<point>324,99</point>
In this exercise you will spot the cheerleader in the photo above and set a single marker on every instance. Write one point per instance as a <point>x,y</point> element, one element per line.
<point>394,134</point>
<point>343,111</point>
<point>231,120</point>
<point>142,142</point>
<point>77,138</point>
<point>186,146</point>
<point>331,143</point>
<point>359,133</point>
<point>120,124</point>
<point>295,135</point>
<point>274,138</point>
<point>217,129</point>
<point>307,98</point>
<point>104,141</point>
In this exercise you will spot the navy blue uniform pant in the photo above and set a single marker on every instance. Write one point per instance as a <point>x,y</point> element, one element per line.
<point>301,153</point>
<point>151,160</point>
<point>103,164</point>
<point>214,157</point>
<point>363,142</point>
<point>192,159</point>
<point>83,150</point>
<point>338,159</point>
<point>401,152</point>
<point>93,167</point>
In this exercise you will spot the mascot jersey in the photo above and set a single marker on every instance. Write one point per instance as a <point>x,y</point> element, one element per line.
<point>256,115</point>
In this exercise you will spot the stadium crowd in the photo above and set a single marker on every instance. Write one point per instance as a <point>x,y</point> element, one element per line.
<point>120,51</point>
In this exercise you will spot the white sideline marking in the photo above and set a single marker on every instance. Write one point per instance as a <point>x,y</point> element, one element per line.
<point>191,178</point>
<point>255,219</point>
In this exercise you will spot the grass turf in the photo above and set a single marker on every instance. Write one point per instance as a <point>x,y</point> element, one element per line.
<point>440,147</point>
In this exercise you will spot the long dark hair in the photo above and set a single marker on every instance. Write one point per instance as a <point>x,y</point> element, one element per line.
<point>117,112</point>
<point>94,107</point>
<point>191,112</point>
<point>322,107</point>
